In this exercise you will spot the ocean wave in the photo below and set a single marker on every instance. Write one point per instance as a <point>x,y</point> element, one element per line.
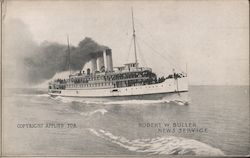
<point>42,95</point>
<point>161,145</point>
<point>72,99</point>
<point>62,99</point>
<point>101,111</point>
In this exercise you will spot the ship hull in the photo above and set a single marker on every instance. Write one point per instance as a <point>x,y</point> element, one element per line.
<point>157,91</point>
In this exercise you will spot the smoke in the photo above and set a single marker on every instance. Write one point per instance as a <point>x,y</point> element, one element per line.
<point>48,59</point>
<point>35,63</point>
<point>54,57</point>
<point>87,49</point>
<point>17,44</point>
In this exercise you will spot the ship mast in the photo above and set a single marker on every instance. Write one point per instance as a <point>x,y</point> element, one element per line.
<point>68,55</point>
<point>136,62</point>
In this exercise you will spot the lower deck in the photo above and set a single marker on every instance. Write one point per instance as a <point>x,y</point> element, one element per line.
<point>168,86</point>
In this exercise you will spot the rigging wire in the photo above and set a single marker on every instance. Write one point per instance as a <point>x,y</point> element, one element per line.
<point>160,55</point>
<point>151,36</point>
<point>169,61</point>
<point>122,32</point>
<point>141,54</point>
<point>130,45</point>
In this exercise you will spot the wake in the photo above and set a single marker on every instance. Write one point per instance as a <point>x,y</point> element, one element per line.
<point>118,102</point>
<point>161,145</point>
<point>90,113</point>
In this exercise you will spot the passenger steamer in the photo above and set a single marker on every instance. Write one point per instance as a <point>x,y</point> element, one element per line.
<point>104,80</point>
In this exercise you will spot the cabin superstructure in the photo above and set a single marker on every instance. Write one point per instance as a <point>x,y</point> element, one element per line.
<point>103,75</point>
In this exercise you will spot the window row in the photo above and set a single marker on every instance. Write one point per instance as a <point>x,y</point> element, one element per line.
<point>90,85</point>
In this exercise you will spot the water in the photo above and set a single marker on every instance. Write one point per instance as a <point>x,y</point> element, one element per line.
<point>117,127</point>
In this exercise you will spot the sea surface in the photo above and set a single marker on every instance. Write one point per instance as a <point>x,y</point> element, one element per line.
<point>217,118</point>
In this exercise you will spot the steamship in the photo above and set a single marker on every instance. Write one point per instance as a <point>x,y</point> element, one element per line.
<point>104,80</point>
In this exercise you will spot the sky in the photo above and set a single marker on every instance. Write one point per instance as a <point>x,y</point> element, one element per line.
<point>208,39</point>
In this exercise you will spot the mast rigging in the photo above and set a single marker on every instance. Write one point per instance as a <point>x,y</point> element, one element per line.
<point>134,38</point>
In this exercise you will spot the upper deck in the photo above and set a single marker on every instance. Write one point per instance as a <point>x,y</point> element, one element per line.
<point>116,78</point>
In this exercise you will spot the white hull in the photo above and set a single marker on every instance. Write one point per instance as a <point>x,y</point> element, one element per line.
<point>168,86</point>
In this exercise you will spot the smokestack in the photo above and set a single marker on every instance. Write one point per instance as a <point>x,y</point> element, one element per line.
<point>88,71</point>
<point>93,65</point>
<point>105,59</point>
<point>100,61</point>
<point>109,60</point>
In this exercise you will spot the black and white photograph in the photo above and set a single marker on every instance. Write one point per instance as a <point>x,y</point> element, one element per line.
<point>124,78</point>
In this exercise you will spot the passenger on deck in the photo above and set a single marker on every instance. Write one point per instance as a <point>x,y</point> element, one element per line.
<point>80,73</point>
